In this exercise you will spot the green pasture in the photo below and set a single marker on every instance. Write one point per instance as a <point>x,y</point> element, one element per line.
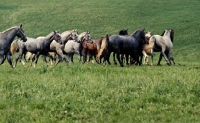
<point>92,93</point>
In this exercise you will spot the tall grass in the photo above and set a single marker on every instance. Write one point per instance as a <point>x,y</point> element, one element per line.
<point>91,93</point>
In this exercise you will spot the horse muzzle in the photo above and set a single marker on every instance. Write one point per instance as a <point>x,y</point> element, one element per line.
<point>24,39</point>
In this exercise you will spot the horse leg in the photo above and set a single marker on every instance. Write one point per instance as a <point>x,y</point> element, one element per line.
<point>50,57</point>
<point>84,56</point>
<point>127,58</point>
<point>162,54</point>
<point>152,53</point>
<point>171,57</point>
<point>118,58</point>
<point>45,60</point>
<point>160,58</point>
<point>19,57</point>
<point>122,58</point>
<point>72,57</point>
<point>114,59</point>
<point>140,60</point>
<point>8,55</point>
<point>145,56</point>
<point>79,57</point>
<point>36,59</point>
<point>2,59</point>
<point>61,56</point>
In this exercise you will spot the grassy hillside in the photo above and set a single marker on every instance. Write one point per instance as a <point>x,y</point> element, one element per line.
<point>108,17</point>
<point>89,92</point>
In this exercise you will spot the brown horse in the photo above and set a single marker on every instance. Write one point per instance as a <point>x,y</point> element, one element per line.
<point>91,49</point>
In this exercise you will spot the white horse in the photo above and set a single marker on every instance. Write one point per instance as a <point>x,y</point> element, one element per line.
<point>164,44</point>
<point>148,47</point>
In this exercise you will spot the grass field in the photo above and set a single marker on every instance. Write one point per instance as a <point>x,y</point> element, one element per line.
<point>89,92</point>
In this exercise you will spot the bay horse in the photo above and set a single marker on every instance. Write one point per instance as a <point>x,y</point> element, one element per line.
<point>128,45</point>
<point>164,45</point>
<point>38,47</point>
<point>6,39</point>
<point>91,48</point>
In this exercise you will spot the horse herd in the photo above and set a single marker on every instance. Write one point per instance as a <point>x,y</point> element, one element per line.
<point>62,47</point>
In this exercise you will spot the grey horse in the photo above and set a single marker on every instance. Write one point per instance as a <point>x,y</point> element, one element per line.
<point>74,46</point>
<point>164,45</point>
<point>6,39</point>
<point>38,47</point>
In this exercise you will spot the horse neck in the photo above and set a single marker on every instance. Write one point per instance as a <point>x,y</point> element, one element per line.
<point>81,35</point>
<point>65,36</point>
<point>49,38</point>
<point>9,34</point>
<point>167,36</point>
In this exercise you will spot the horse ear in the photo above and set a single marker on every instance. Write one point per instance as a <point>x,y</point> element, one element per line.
<point>20,26</point>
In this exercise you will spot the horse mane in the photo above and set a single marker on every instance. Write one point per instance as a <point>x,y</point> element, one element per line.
<point>163,33</point>
<point>137,31</point>
<point>123,32</point>
<point>9,29</point>
<point>172,35</point>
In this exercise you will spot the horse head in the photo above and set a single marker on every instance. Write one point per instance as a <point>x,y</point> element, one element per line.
<point>140,35</point>
<point>147,37</point>
<point>74,35</point>
<point>85,36</point>
<point>57,37</point>
<point>123,32</point>
<point>21,34</point>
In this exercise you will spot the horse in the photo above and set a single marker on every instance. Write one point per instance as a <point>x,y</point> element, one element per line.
<point>164,45</point>
<point>6,38</point>
<point>148,47</point>
<point>58,48</point>
<point>121,32</point>
<point>127,44</point>
<point>148,50</point>
<point>91,48</point>
<point>74,46</point>
<point>39,46</point>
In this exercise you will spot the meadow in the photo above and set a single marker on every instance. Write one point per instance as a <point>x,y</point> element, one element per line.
<point>92,93</point>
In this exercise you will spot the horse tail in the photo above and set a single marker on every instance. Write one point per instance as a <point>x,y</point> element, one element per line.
<point>29,55</point>
<point>53,54</point>
<point>98,47</point>
<point>13,47</point>
<point>103,46</point>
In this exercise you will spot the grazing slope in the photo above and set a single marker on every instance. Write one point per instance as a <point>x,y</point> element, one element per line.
<point>90,93</point>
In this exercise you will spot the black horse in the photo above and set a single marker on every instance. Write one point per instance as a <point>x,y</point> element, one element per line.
<point>121,32</point>
<point>126,44</point>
